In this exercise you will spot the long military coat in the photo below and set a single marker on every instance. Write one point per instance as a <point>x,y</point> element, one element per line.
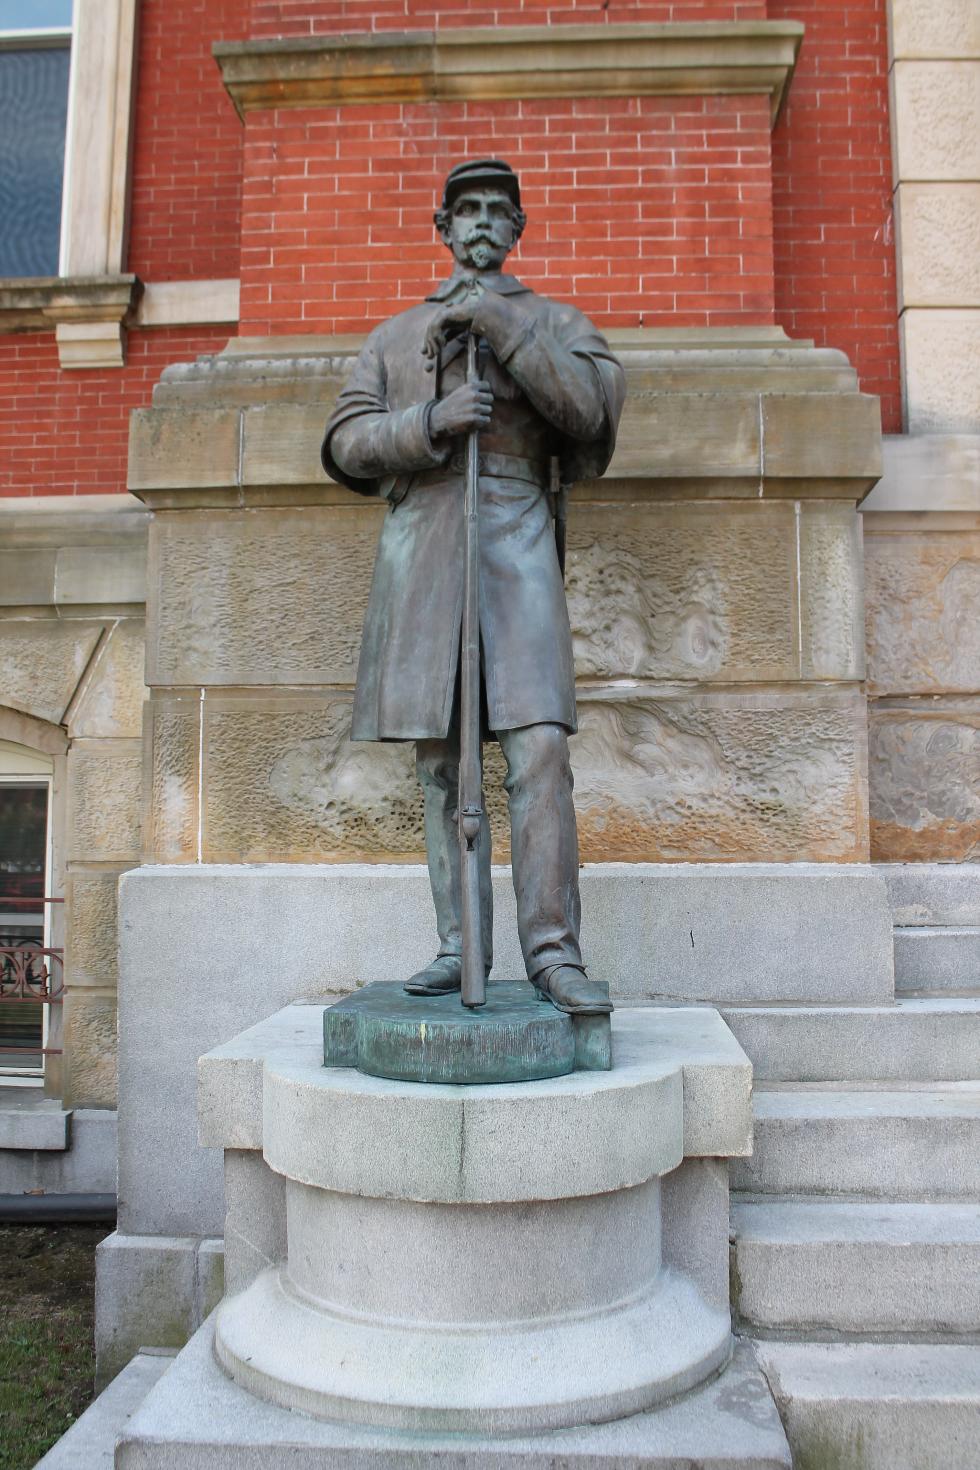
<point>558,391</point>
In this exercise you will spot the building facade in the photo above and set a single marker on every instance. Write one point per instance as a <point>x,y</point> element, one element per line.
<point>773,211</point>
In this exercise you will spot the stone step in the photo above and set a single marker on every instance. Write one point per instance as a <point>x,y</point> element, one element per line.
<point>882,1268</point>
<point>900,1145</point>
<point>90,1443</point>
<point>937,960</point>
<point>877,1406</point>
<point>198,1419</point>
<point>921,1040</point>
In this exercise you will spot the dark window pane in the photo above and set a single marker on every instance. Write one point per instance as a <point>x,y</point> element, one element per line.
<point>33,115</point>
<point>34,15</point>
<point>23,846</point>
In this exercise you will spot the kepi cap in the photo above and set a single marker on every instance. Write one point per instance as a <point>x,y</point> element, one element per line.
<point>481,173</point>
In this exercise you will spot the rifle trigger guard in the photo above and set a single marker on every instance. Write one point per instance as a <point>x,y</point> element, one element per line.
<point>471,819</point>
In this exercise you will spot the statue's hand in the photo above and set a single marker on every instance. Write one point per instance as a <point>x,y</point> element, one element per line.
<point>451,321</point>
<point>465,408</point>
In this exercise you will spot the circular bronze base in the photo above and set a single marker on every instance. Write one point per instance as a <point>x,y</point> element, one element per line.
<point>515,1037</point>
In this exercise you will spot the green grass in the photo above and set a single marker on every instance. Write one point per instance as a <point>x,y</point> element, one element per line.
<point>47,1358</point>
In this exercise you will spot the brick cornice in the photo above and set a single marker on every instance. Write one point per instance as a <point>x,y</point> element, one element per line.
<point>500,62</point>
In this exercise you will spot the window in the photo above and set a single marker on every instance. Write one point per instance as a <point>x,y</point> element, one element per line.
<point>29,969</point>
<point>35,42</point>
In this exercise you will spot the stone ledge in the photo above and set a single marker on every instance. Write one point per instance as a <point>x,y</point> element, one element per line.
<point>284,1053</point>
<point>493,63</point>
<point>30,1121</point>
<point>706,416</point>
<point>188,303</point>
<point>196,1416</point>
<point>936,473</point>
<point>89,314</point>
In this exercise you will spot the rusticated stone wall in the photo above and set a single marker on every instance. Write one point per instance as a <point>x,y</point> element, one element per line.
<point>923,613</point>
<point>71,671</point>
<point>716,616</point>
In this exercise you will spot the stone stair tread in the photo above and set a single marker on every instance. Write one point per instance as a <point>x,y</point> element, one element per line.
<point>883,1143</point>
<point>955,1100</point>
<point>877,1405</point>
<point>877,1370</point>
<point>861,1268</point>
<point>914,1005</point>
<point>920,1039</point>
<point>886,1221</point>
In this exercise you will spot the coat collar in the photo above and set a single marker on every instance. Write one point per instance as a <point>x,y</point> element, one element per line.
<point>503,284</point>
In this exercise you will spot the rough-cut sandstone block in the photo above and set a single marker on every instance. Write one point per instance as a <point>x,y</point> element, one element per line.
<point>831,622</point>
<point>261,596</point>
<point>90,955</point>
<point>90,1049</point>
<point>282,779</point>
<point>666,591</point>
<point>936,113</point>
<point>111,702</point>
<point>41,663</point>
<point>921,28</point>
<point>924,793</point>
<point>683,591</point>
<point>922,591</point>
<point>104,783</point>
<point>171,778</point>
<point>767,776</point>
<point>939,233</point>
<point>942,368</point>
<point>671,776</point>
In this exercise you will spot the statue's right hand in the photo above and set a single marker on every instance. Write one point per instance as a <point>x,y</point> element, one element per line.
<point>465,408</point>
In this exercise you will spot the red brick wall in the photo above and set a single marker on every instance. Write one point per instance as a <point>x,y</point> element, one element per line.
<point>66,433</point>
<point>645,210</point>
<point>316,17</point>
<point>834,237</point>
<point>648,211</point>
<point>187,158</point>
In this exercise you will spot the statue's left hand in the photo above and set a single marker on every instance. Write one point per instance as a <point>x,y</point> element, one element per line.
<point>451,321</point>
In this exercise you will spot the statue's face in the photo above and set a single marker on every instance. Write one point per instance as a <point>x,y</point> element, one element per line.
<point>481,229</point>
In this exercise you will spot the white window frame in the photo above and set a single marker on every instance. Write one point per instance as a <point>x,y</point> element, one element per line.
<point>55,38</point>
<point>43,775</point>
<point>98,146</point>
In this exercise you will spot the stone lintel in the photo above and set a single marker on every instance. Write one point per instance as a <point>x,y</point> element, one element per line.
<point>501,62</point>
<point>188,303</point>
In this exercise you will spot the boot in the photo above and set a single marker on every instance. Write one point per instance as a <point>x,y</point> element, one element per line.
<point>569,989</point>
<point>442,977</point>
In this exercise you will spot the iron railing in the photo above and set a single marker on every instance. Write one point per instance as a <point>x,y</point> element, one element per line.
<point>30,972</point>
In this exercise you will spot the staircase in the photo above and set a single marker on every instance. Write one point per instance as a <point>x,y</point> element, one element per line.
<point>856,1223</point>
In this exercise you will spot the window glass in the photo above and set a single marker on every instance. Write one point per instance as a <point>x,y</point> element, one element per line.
<point>23,852</point>
<point>34,15</point>
<point>33,117</point>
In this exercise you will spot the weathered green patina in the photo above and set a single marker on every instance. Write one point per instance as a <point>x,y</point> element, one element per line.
<point>516,1037</point>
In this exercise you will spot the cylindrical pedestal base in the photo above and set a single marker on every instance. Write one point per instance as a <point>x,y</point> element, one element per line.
<point>514,1283</point>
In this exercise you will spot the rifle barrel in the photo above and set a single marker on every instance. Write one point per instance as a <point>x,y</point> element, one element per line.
<point>470,754</point>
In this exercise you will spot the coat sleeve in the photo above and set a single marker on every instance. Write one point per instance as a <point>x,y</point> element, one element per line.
<point>366,445</point>
<point>568,371</point>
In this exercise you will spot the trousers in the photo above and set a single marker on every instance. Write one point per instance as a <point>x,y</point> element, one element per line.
<point>543,840</point>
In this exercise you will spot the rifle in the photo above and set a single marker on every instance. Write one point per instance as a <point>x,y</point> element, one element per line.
<point>470,796</point>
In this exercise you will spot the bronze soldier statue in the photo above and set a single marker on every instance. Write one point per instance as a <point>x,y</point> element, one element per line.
<point>549,392</point>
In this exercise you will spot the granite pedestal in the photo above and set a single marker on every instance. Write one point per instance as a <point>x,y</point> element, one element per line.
<point>497,1263</point>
